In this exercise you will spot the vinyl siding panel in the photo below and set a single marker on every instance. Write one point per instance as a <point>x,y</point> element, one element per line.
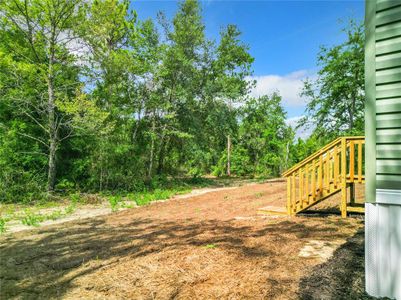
<point>389,31</point>
<point>388,61</point>
<point>391,182</point>
<point>388,91</point>
<point>386,4</point>
<point>388,136</point>
<point>388,106</point>
<point>387,36</point>
<point>388,75</point>
<point>392,120</point>
<point>388,16</point>
<point>388,151</point>
<point>388,46</point>
<point>388,166</point>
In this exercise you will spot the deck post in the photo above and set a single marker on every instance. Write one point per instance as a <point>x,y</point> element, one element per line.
<point>289,195</point>
<point>343,205</point>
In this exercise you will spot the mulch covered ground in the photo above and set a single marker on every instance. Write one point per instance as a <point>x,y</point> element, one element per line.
<point>212,246</point>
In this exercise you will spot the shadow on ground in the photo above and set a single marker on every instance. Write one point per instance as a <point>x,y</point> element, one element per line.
<point>45,263</point>
<point>341,277</point>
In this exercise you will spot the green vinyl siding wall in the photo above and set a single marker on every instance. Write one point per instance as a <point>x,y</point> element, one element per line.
<point>383,96</point>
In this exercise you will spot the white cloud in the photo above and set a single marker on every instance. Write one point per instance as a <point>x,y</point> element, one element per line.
<point>293,121</point>
<point>301,132</point>
<point>289,86</point>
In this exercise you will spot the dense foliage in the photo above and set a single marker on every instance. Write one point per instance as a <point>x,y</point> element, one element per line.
<point>94,98</point>
<point>336,98</point>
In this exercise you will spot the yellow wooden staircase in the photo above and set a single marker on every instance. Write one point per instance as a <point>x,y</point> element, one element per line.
<point>334,168</point>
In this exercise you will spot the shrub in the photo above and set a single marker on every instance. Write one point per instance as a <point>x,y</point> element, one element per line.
<point>240,163</point>
<point>65,185</point>
<point>114,200</point>
<point>20,186</point>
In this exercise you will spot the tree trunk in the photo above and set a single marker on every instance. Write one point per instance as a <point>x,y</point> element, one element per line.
<point>351,112</point>
<point>162,153</point>
<point>287,154</point>
<point>351,125</point>
<point>152,149</point>
<point>228,155</point>
<point>51,176</point>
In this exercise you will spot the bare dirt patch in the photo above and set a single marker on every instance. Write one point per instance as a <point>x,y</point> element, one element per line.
<point>210,246</point>
<point>98,206</point>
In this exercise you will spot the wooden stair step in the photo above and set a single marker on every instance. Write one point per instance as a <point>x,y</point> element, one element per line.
<point>356,209</point>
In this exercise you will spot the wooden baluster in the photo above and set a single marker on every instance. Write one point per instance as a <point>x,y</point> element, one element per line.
<point>330,161</point>
<point>313,174</point>
<point>343,206</point>
<point>293,204</point>
<point>351,160</point>
<point>360,157</point>
<point>320,174</point>
<point>289,195</point>
<point>336,166</point>
<point>307,183</point>
<point>301,188</point>
<point>327,172</point>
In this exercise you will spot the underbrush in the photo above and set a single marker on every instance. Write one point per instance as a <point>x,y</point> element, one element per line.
<point>128,200</point>
<point>33,215</point>
<point>158,194</point>
<point>61,205</point>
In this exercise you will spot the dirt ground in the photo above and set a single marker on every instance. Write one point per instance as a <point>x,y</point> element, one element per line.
<point>210,246</point>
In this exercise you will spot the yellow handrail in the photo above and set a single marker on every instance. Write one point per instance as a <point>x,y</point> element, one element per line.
<point>318,152</point>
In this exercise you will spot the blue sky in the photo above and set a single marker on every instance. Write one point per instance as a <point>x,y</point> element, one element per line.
<point>283,36</point>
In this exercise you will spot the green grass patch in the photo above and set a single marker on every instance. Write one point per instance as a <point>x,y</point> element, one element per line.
<point>70,209</point>
<point>210,246</point>
<point>32,219</point>
<point>57,214</point>
<point>114,201</point>
<point>145,198</point>
<point>2,225</point>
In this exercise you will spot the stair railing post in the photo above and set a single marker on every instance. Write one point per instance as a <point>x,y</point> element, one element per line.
<point>294,199</point>
<point>343,206</point>
<point>360,158</point>
<point>289,195</point>
<point>313,174</point>
<point>320,175</point>
<point>307,184</point>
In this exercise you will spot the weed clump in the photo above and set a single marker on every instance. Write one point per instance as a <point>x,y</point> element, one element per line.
<point>2,225</point>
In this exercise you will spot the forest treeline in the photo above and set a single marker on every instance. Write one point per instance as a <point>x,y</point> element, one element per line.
<point>93,98</point>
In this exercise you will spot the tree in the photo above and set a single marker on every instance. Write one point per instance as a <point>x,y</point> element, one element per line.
<point>94,98</point>
<point>38,35</point>
<point>336,98</point>
<point>233,65</point>
<point>265,135</point>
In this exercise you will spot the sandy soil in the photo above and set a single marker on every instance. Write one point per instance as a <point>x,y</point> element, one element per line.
<point>102,207</point>
<point>210,246</point>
